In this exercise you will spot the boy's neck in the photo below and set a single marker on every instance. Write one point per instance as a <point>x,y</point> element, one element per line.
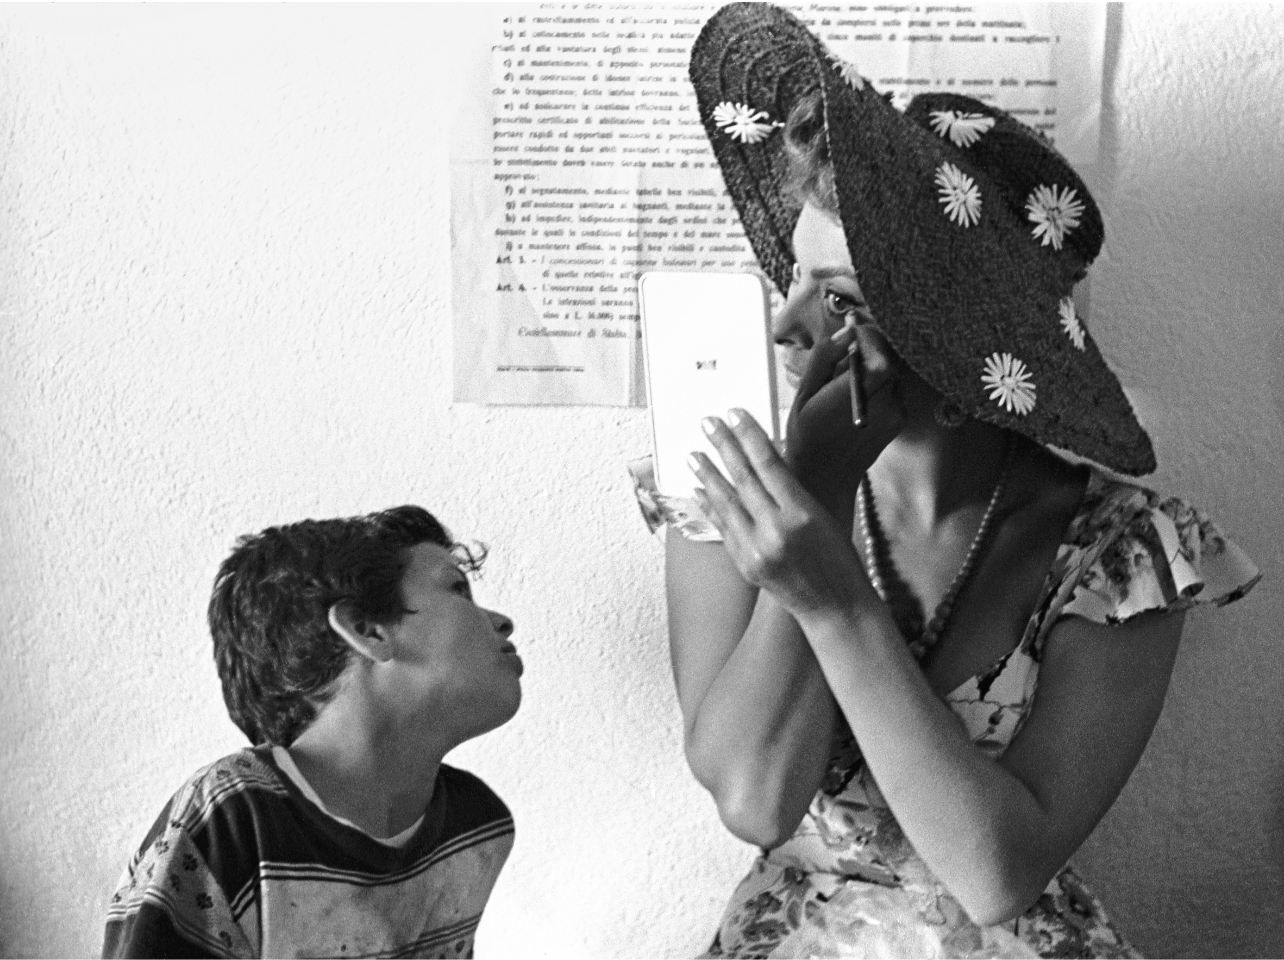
<point>381,782</point>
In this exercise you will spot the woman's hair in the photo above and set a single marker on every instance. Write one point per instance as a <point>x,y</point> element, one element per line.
<point>811,172</point>
<point>276,655</point>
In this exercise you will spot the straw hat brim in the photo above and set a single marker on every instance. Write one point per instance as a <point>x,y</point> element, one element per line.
<point>974,301</point>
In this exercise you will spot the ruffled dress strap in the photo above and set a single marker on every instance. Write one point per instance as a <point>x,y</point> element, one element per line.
<point>1130,552</point>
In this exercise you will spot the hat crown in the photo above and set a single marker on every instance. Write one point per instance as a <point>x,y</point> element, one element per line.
<point>1017,159</point>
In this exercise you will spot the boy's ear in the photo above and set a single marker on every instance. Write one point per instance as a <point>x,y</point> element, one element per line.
<point>365,636</point>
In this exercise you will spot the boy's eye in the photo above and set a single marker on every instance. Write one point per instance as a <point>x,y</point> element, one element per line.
<point>463,588</point>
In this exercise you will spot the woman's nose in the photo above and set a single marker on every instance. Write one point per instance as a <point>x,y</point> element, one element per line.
<point>789,327</point>
<point>503,624</point>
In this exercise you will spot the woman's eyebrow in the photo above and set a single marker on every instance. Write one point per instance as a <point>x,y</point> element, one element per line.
<point>828,273</point>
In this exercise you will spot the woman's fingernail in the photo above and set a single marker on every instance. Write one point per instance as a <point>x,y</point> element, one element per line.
<point>734,416</point>
<point>693,462</point>
<point>708,425</point>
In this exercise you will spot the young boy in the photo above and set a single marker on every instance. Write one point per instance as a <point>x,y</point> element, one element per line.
<point>352,655</point>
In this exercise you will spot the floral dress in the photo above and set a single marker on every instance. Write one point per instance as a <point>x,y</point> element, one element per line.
<point>848,883</point>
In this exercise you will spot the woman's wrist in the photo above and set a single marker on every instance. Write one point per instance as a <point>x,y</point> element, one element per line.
<point>837,496</point>
<point>850,610</point>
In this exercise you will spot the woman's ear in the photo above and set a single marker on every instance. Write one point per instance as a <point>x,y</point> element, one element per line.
<point>366,637</point>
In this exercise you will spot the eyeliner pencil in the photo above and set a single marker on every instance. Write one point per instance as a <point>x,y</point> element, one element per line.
<point>855,366</point>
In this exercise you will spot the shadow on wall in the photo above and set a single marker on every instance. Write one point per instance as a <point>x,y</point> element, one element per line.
<point>9,924</point>
<point>1190,861</point>
<point>1275,338</point>
<point>1104,172</point>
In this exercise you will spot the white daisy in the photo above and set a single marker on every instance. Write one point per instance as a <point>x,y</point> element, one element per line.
<point>960,194</point>
<point>1009,383</point>
<point>1070,323</point>
<point>963,129</point>
<point>1053,213</point>
<point>742,122</point>
<point>851,76</point>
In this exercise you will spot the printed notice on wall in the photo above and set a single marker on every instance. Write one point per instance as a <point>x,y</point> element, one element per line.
<point>579,162</point>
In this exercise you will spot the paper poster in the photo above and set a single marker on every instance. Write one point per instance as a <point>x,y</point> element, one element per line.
<point>583,163</point>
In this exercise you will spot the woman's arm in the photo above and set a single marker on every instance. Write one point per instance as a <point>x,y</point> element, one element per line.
<point>993,832</point>
<point>759,716</point>
<point>757,713</point>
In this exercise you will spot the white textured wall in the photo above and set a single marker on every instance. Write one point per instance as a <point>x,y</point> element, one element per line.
<point>224,303</point>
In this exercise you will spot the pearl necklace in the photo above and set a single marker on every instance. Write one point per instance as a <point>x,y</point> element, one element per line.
<point>931,633</point>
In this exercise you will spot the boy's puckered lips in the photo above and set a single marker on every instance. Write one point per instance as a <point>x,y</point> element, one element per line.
<point>511,651</point>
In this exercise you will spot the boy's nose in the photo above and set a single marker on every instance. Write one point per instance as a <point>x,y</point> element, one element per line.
<point>502,623</point>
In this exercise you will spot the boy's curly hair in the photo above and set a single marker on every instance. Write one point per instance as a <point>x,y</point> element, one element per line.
<point>276,655</point>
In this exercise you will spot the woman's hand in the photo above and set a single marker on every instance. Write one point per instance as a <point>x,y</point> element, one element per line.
<point>778,535</point>
<point>825,451</point>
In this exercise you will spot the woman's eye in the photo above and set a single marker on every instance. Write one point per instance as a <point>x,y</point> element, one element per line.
<point>462,588</point>
<point>837,304</point>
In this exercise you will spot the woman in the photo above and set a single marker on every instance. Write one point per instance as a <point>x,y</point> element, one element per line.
<point>928,652</point>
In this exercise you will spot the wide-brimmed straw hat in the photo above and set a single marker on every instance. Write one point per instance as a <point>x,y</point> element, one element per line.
<point>967,229</point>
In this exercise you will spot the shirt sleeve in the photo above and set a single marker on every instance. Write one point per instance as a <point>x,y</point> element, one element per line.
<point>169,904</point>
<point>148,932</point>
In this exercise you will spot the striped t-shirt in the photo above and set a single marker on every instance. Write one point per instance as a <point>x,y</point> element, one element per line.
<point>241,863</point>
